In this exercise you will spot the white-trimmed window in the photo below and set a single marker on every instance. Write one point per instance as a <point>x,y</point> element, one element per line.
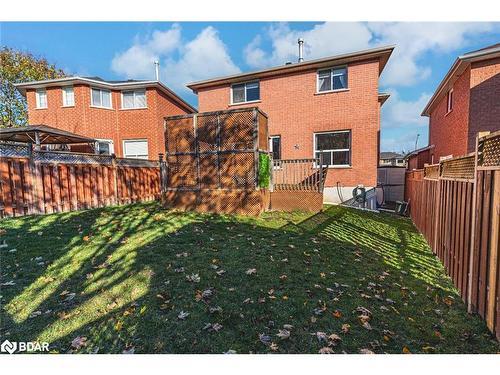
<point>68,96</point>
<point>135,148</point>
<point>449,101</point>
<point>335,147</point>
<point>332,79</point>
<point>41,98</point>
<point>245,92</point>
<point>134,99</point>
<point>100,98</point>
<point>105,147</point>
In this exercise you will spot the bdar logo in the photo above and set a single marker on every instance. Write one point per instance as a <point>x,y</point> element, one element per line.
<point>9,347</point>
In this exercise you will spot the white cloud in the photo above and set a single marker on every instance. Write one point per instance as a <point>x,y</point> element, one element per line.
<point>405,68</point>
<point>321,40</point>
<point>182,61</point>
<point>137,61</point>
<point>397,112</point>
<point>401,122</point>
<point>206,56</point>
<point>413,40</point>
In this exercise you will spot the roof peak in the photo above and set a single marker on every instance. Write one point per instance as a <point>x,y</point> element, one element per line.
<point>381,52</point>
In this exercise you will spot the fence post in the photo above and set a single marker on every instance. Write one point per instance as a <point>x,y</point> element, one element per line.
<point>321,158</point>
<point>256,147</point>
<point>163,173</point>
<point>473,230</point>
<point>271,169</point>
<point>115,178</point>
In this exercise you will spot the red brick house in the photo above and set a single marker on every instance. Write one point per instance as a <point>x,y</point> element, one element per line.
<point>467,101</point>
<point>127,117</point>
<point>330,104</point>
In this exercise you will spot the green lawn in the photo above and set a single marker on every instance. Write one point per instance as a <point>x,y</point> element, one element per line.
<point>146,280</point>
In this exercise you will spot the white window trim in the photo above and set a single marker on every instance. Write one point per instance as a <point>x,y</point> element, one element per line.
<point>449,103</point>
<point>134,91</point>
<point>64,96</point>
<point>334,150</point>
<point>246,101</point>
<point>318,92</point>
<point>101,90</point>
<point>110,142</point>
<point>37,99</point>
<point>136,140</point>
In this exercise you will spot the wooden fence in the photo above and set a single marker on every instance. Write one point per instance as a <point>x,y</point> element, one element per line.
<point>40,182</point>
<point>456,206</point>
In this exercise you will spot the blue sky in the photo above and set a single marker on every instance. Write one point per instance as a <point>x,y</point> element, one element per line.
<point>198,50</point>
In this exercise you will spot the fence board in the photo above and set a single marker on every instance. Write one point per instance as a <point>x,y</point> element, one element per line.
<point>461,197</point>
<point>61,181</point>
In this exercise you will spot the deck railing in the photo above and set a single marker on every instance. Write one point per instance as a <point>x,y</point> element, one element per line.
<point>298,175</point>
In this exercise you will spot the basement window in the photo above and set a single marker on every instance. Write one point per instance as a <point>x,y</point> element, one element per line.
<point>335,147</point>
<point>245,92</point>
<point>449,101</point>
<point>332,79</point>
<point>135,148</point>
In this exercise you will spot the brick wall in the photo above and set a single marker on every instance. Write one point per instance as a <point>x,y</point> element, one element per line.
<point>296,111</point>
<point>484,112</point>
<point>449,131</point>
<point>116,124</point>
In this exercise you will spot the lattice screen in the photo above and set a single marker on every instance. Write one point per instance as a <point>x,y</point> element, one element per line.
<point>490,151</point>
<point>215,149</point>
<point>462,168</point>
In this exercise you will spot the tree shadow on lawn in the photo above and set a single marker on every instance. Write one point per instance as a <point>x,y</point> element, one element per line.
<point>130,283</point>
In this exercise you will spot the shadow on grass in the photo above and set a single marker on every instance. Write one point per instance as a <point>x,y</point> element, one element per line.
<point>118,276</point>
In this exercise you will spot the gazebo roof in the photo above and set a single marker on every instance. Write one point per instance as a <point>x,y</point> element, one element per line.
<point>47,135</point>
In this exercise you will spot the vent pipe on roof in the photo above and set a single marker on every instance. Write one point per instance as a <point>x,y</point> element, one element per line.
<point>301,49</point>
<point>157,70</point>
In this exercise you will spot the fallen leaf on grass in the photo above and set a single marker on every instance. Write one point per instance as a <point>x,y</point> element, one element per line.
<point>337,314</point>
<point>365,351</point>
<point>79,342</point>
<point>34,314</point>
<point>182,315</point>
<point>346,327</point>
<point>406,350</point>
<point>283,334</point>
<point>193,278</point>
<point>118,325</point>
<point>265,339</point>
<point>273,347</point>
<point>251,271</point>
<point>326,350</point>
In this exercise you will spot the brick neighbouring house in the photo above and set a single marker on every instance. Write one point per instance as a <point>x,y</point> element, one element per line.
<point>467,101</point>
<point>127,117</point>
<point>331,103</point>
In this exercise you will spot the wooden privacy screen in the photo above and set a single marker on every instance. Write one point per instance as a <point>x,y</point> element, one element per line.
<point>456,206</point>
<point>45,182</point>
<point>212,161</point>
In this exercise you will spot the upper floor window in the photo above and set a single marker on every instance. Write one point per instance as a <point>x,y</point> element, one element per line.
<point>100,98</point>
<point>134,99</point>
<point>41,98</point>
<point>68,96</point>
<point>245,92</point>
<point>332,79</point>
<point>449,101</point>
<point>335,147</point>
